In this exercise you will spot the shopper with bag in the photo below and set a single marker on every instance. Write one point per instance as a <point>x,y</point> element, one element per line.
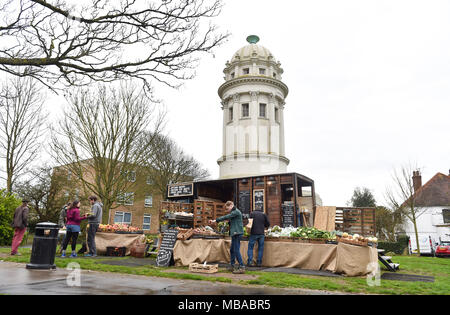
<point>258,222</point>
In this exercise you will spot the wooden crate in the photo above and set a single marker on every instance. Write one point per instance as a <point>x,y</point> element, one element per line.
<point>352,242</point>
<point>201,268</point>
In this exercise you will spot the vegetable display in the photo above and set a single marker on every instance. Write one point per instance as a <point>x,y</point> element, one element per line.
<point>300,232</point>
<point>112,228</point>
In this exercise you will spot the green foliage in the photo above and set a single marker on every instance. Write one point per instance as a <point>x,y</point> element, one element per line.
<point>362,197</point>
<point>395,247</point>
<point>8,204</point>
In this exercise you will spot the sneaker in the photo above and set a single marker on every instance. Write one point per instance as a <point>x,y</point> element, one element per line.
<point>250,264</point>
<point>239,270</point>
<point>63,255</point>
<point>230,268</point>
<point>74,255</point>
<point>88,255</point>
<point>258,265</point>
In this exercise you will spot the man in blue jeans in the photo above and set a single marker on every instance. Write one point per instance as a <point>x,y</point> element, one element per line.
<point>236,231</point>
<point>260,222</point>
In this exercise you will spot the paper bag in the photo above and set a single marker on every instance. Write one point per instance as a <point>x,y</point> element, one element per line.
<point>248,227</point>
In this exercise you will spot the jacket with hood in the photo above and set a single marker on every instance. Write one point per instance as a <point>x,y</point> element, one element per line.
<point>97,212</point>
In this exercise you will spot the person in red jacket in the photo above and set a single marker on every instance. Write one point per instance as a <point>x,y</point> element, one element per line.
<point>73,228</point>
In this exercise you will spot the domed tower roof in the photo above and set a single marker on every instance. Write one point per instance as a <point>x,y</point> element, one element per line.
<point>252,50</point>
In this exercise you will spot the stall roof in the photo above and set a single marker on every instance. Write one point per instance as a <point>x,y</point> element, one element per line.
<point>299,176</point>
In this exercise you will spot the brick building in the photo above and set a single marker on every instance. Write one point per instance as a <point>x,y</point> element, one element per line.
<point>137,206</point>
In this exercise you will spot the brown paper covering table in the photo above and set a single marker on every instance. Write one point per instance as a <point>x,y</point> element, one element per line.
<point>103,240</point>
<point>350,260</point>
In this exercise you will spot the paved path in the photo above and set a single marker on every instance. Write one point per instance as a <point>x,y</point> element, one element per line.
<point>16,279</point>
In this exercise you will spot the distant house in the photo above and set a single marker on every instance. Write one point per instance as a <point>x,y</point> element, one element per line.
<point>433,202</point>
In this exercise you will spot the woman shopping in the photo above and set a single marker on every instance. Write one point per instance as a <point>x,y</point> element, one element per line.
<point>73,228</point>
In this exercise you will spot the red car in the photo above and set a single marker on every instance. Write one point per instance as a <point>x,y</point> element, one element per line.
<point>443,249</point>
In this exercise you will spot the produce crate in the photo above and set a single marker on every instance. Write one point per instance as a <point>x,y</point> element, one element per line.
<point>352,242</point>
<point>184,235</point>
<point>201,268</point>
<point>116,251</point>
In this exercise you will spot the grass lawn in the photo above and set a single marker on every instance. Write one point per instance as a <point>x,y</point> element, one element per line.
<point>429,266</point>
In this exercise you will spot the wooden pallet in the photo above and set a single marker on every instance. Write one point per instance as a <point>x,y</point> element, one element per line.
<point>201,268</point>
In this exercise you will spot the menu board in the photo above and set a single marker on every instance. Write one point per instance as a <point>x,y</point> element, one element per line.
<point>244,202</point>
<point>258,199</point>
<point>180,190</point>
<point>166,249</point>
<point>288,215</point>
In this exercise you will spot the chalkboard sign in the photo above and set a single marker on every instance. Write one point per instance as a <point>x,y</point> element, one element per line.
<point>244,202</point>
<point>180,190</point>
<point>288,215</point>
<point>166,249</point>
<point>258,199</point>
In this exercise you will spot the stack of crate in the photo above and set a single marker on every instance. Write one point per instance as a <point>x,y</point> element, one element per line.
<point>219,210</point>
<point>207,210</point>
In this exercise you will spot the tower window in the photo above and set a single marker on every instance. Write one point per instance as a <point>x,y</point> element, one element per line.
<point>230,114</point>
<point>274,75</point>
<point>262,71</point>
<point>277,115</point>
<point>262,110</point>
<point>232,75</point>
<point>245,110</point>
<point>246,70</point>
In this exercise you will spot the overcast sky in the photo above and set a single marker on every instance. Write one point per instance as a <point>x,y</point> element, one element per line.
<point>369,89</point>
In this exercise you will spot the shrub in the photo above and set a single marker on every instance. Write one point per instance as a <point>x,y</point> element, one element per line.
<point>395,247</point>
<point>8,204</point>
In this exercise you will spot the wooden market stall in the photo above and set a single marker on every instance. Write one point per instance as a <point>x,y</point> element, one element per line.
<point>287,199</point>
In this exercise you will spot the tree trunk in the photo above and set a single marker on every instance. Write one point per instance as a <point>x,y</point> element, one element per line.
<point>417,237</point>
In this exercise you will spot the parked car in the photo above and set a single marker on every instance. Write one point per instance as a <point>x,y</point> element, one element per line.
<point>443,249</point>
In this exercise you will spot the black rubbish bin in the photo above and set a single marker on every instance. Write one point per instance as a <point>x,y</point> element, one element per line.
<point>44,246</point>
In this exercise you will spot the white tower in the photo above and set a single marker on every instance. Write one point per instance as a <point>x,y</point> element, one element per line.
<point>253,105</point>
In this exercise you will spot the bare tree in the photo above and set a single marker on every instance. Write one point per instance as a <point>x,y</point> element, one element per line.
<point>169,164</point>
<point>402,197</point>
<point>96,140</point>
<point>55,42</point>
<point>43,189</point>
<point>21,126</point>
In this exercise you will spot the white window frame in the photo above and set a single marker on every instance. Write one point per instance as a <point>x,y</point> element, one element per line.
<point>242,110</point>
<point>265,110</point>
<point>126,199</point>
<point>131,176</point>
<point>148,205</point>
<point>146,215</point>
<point>122,213</point>
<point>149,180</point>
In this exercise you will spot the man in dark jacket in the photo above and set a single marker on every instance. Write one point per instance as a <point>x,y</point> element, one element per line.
<point>260,222</point>
<point>20,224</point>
<point>236,231</point>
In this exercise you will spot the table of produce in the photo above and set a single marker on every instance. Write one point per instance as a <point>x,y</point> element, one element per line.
<point>119,228</point>
<point>313,235</point>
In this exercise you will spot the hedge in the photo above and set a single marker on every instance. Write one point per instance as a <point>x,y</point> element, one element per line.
<point>8,204</point>
<point>397,247</point>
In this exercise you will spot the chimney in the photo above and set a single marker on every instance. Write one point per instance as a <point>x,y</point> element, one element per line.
<point>417,180</point>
